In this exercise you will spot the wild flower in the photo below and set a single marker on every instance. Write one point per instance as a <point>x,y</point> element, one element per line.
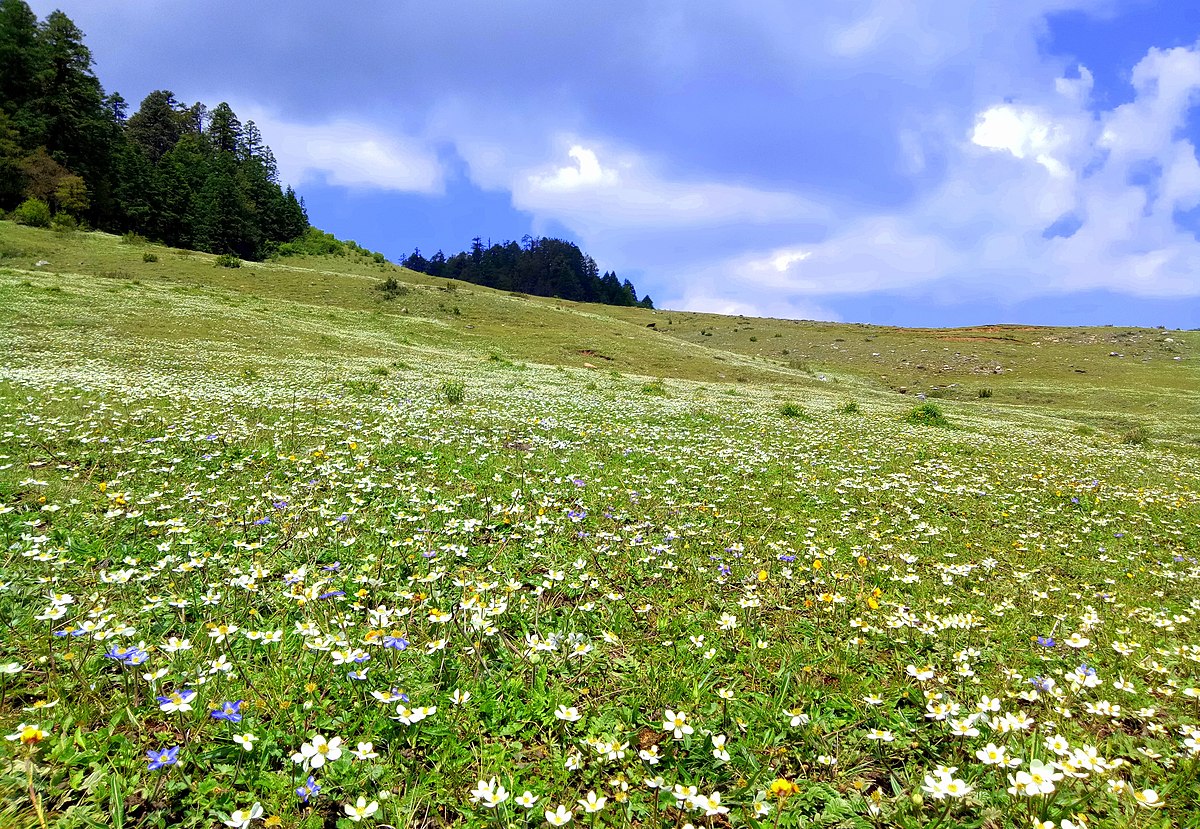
<point>676,723</point>
<point>360,809</point>
<point>241,819</point>
<point>309,790</point>
<point>228,711</point>
<point>176,701</point>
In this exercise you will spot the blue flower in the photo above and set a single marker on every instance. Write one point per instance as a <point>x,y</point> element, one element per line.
<point>398,643</point>
<point>163,757</point>
<point>1041,683</point>
<point>127,656</point>
<point>229,711</point>
<point>309,789</point>
<point>331,594</point>
<point>1046,641</point>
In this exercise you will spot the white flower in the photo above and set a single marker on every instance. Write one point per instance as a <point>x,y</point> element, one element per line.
<point>361,809</point>
<point>676,723</point>
<point>489,793</point>
<point>527,799</point>
<point>365,751</point>
<point>1148,798</point>
<point>592,804</point>
<point>718,749</point>
<point>241,819</point>
<point>246,741</point>
<point>710,804</point>
<point>560,817</point>
<point>459,697</point>
<point>567,714</point>
<point>315,753</point>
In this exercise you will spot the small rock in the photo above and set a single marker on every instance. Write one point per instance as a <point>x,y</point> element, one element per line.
<point>41,263</point>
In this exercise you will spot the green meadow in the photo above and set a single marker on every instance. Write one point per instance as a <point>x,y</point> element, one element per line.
<point>320,542</point>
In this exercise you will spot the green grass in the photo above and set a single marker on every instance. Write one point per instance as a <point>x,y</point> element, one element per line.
<point>687,525</point>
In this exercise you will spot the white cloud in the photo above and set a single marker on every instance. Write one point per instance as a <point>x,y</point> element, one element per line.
<point>587,172</point>
<point>1021,132</point>
<point>350,154</point>
<point>605,191</point>
<point>1019,168</point>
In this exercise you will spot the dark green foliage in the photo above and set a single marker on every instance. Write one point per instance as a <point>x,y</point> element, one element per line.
<point>542,267</point>
<point>171,172</point>
<point>228,260</point>
<point>927,414</point>
<point>850,407</point>
<point>390,288</point>
<point>1135,436</point>
<point>32,212</point>
<point>149,257</point>
<point>984,394</point>
<point>452,391</point>
<point>791,410</point>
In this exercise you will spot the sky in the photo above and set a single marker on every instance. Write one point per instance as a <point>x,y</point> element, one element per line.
<point>901,162</point>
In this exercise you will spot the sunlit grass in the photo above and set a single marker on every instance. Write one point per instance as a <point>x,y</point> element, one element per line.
<point>261,567</point>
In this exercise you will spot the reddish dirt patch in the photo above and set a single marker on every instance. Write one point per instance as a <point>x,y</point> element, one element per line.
<point>973,339</point>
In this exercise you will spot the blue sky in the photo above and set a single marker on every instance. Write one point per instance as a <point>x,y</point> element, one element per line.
<point>915,162</point>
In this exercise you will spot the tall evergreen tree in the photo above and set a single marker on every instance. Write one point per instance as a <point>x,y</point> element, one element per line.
<point>21,58</point>
<point>158,124</point>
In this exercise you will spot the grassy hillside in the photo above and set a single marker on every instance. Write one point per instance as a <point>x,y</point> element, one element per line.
<point>716,571</point>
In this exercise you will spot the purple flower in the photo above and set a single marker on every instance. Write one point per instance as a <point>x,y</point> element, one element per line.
<point>162,757</point>
<point>331,594</point>
<point>309,789</point>
<point>229,711</point>
<point>127,656</point>
<point>1046,641</point>
<point>397,643</point>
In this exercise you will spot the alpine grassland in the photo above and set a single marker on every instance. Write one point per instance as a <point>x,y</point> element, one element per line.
<point>320,541</point>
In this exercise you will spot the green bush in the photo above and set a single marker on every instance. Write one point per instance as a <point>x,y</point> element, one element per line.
<point>391,288</point>
<point>791,410</point>
<point>850,407</point>
<point>452,391</point>
<point>32,212</point>
<point>656,388</point>
<point>228,260</point>
<point>927,414</point>
<point>1135,436</point>
<point>64,223</point>
<point>149,257</point>
<point>985,393</point>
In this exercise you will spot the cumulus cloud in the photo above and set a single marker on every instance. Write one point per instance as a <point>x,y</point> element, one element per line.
<point>349,154</point>
<point>1040,199</point>
<point>624,190</point>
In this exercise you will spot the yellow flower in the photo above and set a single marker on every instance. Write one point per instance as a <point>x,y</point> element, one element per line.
<point>782,788</point>
<point>28,734</point>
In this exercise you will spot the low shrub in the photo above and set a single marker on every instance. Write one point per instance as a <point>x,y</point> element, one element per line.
<point>927,414</point>
<point>33,213</point>
<point>452,391</point>
<point>1135,436</point>
<point>228,260</point>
